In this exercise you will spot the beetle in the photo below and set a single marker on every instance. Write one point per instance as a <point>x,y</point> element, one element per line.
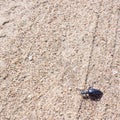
<point>92,93</point>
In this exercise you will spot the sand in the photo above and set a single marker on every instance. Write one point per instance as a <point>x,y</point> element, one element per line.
<point>49,48</point>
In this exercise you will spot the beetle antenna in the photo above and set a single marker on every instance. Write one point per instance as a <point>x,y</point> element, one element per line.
<point>78,89</point>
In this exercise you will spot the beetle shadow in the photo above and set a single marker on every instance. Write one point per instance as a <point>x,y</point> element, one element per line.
<point>86,97</point>
<point>98,98</point>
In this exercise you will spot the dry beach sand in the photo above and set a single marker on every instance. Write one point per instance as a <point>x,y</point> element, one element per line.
<point>48,48</point>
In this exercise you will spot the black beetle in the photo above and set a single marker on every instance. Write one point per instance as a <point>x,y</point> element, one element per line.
<point>93,94</point>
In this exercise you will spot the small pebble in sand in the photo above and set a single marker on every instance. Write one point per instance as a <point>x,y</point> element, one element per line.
<point>30,58</point>
<point>114,71</point>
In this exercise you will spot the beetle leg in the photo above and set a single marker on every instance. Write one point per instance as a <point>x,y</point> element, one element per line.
<point>90,88</point>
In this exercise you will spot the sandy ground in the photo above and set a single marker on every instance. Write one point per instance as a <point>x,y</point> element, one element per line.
<point>48,48</point>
